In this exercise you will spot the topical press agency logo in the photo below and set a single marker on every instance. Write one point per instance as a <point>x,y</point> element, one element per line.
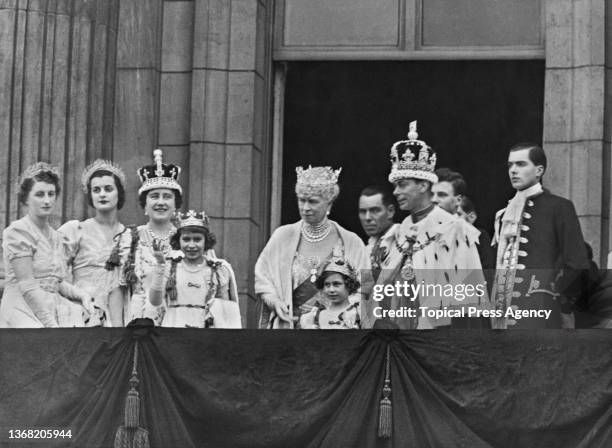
<point>444,301</point>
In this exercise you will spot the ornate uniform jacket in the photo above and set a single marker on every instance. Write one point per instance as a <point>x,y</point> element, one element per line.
<point>542,263</point>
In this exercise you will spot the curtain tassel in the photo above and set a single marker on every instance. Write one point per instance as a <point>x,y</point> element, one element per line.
<point>131,435</point>
<point>385,420</point>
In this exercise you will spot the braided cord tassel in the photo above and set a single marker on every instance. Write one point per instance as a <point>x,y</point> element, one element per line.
<point>128,269</point>
<point>385,420</point>
<point>131,435</point>
<point>114,259</point>
<point>132,402</point>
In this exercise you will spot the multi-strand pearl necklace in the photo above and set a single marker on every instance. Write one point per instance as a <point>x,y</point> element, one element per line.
<point>317,233</point>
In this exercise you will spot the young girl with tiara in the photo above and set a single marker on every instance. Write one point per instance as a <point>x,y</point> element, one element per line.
<point>335,312</point>
<point>201,289</point>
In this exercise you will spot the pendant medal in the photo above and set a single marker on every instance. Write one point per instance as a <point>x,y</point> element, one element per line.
<point>407,272</point>
<point>314,263</point>
<point>313,275</point>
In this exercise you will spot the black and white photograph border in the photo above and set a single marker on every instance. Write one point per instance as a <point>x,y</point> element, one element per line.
<point>428,117</point>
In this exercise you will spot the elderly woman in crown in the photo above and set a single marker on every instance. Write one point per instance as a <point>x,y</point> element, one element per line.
<point>148,245</point>
<point>201,289</point>
<point>92,245</point>
<point>289,265</point>
<point>37,293</point>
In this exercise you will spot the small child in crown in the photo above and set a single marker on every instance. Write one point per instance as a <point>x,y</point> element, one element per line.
<point>201,289</point>
<point>337,282</point>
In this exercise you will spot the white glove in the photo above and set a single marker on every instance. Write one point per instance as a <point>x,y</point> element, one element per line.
<point>41,302</point>
<point>78,295</point>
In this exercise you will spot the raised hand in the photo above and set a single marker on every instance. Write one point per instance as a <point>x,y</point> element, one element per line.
<point>158,252</point>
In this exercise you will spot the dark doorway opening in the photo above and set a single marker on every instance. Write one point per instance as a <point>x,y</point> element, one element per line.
<point>349,114</point>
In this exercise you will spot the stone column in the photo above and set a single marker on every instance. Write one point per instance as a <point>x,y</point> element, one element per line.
<point>607,147</point>
<point>56,92</point>
<point>136,111</point>
<point>574,113</point>
<point>175,88</point>
<point>229,147</point>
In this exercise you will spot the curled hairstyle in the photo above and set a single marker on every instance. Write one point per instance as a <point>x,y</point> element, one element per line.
<point>45,176</point>
<point>352,285</point>
<point>209,238</point>
<point>178,198</point>
<point>118,185</point>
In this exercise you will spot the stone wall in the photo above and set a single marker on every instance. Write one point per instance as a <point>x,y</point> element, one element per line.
<point>574,109</point>
<point>57,77</point>
<point>194,78</point>
<point>82,79</point>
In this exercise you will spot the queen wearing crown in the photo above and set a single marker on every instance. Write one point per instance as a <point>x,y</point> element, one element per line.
<point>201,289</point>
<point>36,293</point>
<point>149,245</point>
<point>289,265</point>
<point>93,245</point>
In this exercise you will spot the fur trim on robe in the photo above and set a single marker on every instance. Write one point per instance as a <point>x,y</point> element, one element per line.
<point>452,259</point>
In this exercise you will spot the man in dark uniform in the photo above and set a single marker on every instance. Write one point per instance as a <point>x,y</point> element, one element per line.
<point>541,256</point>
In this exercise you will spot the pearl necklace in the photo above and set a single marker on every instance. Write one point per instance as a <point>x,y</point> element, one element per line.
<point>316,234</point>
<point>164,239</point>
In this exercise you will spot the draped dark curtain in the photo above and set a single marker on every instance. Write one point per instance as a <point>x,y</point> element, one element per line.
<point>249,388</point>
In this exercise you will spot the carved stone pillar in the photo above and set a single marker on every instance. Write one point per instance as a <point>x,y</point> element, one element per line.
<point>229,148</point>
<point>57,76</point>
<point>574,113</point>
